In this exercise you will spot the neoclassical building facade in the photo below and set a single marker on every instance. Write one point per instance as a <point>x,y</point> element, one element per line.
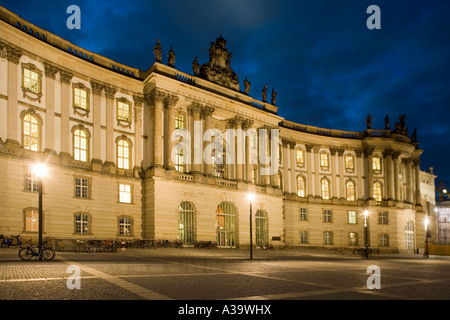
<point>168,155</point>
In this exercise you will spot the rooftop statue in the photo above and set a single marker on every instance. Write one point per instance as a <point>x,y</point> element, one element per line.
<point>386,123</point>
<point>274,97</point>
<point>247,85</point>
<point>264,94</point>
<point>157,51</point>
<point>369,121</point>
<point>218,68</point>
<point>195,67</point>
<point>171,55</point>
<point>400,127</point>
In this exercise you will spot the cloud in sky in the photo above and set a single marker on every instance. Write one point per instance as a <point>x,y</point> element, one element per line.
<point>329,70</point>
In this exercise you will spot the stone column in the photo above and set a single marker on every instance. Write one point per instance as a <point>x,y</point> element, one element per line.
<point>418,200</point>
<point>286,169</point>
<point>309,163</point>
<point>369,156</point>
<point>170,102</point>
<point>293,166</point>
<point>158,98</point>
<point>341,161</point>
<point>317,171</point>
<point>409,182</point>
<point>206,114</point>
<point>240,148</point>
<point>395,158</point>
<point>66,78</point>
<point>50,76</point>
<point>110,112</point>
<point>97,115</point>
<point>246,125</point>
<point>334,184</point>
<point>138,120</point>
<point>389,179</point>
<point>265,153</point>
<point>194,110</point>
<point>359,170</point>
<point>13,56</point>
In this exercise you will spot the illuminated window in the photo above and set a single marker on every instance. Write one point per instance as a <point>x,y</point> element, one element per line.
<point>325,188</point>
<point>217,163</point>
<point>31,133</point>
<point>123,154</point>
<point>384,240</point>
<point>186,223</point>
<point>301,186</point>
<point>352,239</point>
<point>324,163</point>
<point>125,193</point>
<point>80,145</point>
<point>179,160</point>
<point>226,224</point>
<point>376,164</point>
<point>82,223</point>
<point>349,163</point>
<point>253,174</point>
<point>261,228</point>
<point>123,111</point>
<point>80,99</point>
<point>31,220</point>
<point>351,217</point>
<point>300,158</point>
<point>31,81</point>
<point>378,191</point>
<point>350,190</point>
<point>179,121</point>
<point>125,226</point>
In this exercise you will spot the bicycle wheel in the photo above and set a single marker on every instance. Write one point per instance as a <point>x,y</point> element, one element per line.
<point>25,253</point>
<point>48,254</point>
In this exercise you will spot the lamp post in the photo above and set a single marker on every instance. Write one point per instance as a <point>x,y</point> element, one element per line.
<point>251,197</point>
<point>40,171</point>
<point>366,234</point>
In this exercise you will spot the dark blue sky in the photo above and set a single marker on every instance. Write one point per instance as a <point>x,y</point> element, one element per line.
<point>329,70</point>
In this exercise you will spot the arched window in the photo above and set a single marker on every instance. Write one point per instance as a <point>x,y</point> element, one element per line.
<point>226,224</point>
<point>123,153</point>
<point>350,190</point>
<point>325,188</point>
<point>261,228</point>
<point>31,134</point>
<point>186,223</point>
<point>301,186</point>
<point>80,145</point>
<point>378,191</point>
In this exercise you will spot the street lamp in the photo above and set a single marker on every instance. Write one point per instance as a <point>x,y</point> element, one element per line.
<point>40,170</point>
<point>426,236</point>
<point>366,235</point>
<point>251,197</point>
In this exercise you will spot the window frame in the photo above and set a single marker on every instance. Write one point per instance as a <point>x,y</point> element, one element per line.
<point>351,198</point>
<point>350,218</point>
<point>121,225</point>
<point>324,167</point>
<point>27,91</point>
<point>302,163</point>
<point>78,109</point>
<point>328,235</point>
<point>88,187</point>
<point>322,191</point>
<point>130,152</point>
<point>120,192</point>
<point>121,120</point>
<point>33,114</point>
<point>82,222</point>
<point>87,134</point>
<point>301,178</point>
<point>34,211</point>
<point>327,215</point>
<point>30,179</point>
<point>349,169</point>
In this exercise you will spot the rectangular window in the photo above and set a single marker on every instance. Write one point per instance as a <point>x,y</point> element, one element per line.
<point>376,164</point>
<point>179,121</point>
<point>300,158</point>
<point>326,215</point>
<point>125,226</point>
<point>303,237</point>
<point>32,220</point>
<point>31,181</point>
<point>351,217</point>
<point>383,218</point>
<point>80,98</point>
<point>123,111</point>
<point>384,240</point>
<point>82,188</point>
<point>324,160</point>
<point>125,195</point>
<point>349,163</point>
<point>303,215</point>
<point>328,237</point>
<point>31,81</point>
<point>352,239</point>
<point>82,223</point>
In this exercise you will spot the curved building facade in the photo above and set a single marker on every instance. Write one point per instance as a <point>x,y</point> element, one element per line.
<point>169,155</point>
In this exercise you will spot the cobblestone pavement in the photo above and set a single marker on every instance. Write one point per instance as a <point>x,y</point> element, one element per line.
<point>223,274</point>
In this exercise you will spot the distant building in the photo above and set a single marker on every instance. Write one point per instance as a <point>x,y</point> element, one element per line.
<point>146,154</point>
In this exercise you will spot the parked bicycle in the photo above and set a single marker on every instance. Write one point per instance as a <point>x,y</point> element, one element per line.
<point>81,246</point>
<point>7,242</point>
<point>41,252</point>
<point>178,244</point>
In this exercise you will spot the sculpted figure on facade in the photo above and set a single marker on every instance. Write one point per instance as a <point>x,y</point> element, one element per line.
<point>274,97</point>
<point>158,51</point>
<point>369,121</point>
<point>247,85</point>
<point>386,123</point>
<point>218,68</point>
<point>171,55</point>
<point>195,67</point>
<point>264,94</point>
<point>400,127</point>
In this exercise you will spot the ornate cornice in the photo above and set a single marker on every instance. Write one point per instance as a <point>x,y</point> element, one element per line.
<point>13,54</point>
<point>97,88</point>
<point>358,153</point>
<point>110,92</point>
<point>65,76</point>
<point>138,99</point>
<point>194,107</point>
